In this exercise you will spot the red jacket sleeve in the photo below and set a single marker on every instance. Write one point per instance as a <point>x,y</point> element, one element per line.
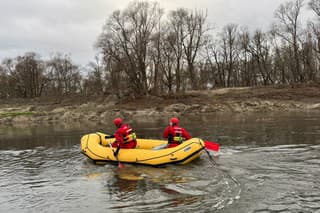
<point>166,132</point>
<point>119,136</point>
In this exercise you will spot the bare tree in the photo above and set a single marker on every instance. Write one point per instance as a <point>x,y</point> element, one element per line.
<point>155,54</point>
<point>309,57</point>
<point>194,40</point>
<point>230,53</point>
<point>65,76</point>
<point>170,63</point>
<point>95,84</point>
<point>261,53</point>
<point>315,6</point>
<point>25,76</point>
<point>288,29</point>
<point>176,36</point>
<point>4,89</point>
<point>246,72</point>
<point>126,38</point>
<point>215,63</point>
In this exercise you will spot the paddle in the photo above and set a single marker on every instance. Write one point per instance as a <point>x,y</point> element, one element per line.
<point>120,165</point>
<point>212,146</point>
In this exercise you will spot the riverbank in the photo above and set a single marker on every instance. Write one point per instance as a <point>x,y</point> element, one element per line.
<point>102,109</point>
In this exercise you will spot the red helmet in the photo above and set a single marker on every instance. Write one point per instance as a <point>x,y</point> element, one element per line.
<point>174,121</point>
<point>117,121</point>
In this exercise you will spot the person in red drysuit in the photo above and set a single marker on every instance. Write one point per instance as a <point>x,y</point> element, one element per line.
<point>124,136</point>
<point>175,134</point>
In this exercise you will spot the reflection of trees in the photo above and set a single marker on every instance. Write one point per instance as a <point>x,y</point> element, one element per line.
<point>138,182</point>
<point>124,186</point>
<point>123,183</point>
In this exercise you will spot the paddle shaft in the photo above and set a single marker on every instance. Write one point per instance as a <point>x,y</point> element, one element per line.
<point>120,165</point>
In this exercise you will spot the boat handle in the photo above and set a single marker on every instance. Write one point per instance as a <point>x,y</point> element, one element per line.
<point>173,158</point>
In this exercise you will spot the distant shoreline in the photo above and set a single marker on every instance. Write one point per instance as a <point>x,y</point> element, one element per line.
<point>102,109</point>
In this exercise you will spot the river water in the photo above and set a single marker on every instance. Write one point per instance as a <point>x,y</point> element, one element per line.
<point>267,163</point>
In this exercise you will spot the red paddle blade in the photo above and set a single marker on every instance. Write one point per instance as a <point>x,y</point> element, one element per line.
<point>212,146</point>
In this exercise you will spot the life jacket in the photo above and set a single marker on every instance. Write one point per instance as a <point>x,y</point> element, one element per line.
<point>176,135</point>
<point>130,137</point>
<point>125,137</point>
<point>128,134</point>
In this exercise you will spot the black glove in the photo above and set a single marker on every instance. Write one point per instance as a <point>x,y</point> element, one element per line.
<point>109,136</point>
<point>117,151</point>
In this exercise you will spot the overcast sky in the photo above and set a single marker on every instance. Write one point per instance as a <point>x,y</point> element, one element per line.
<point>73,26</point>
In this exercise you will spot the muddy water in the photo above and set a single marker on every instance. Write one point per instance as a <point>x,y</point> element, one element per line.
<point>267,163</point>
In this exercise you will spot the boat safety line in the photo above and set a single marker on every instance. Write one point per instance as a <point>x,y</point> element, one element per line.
<point>169,153</point>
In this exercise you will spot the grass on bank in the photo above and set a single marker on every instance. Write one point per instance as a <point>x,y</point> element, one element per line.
<point>14,114</point>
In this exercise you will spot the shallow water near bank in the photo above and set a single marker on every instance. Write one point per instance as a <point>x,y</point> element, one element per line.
<point>267,163</point>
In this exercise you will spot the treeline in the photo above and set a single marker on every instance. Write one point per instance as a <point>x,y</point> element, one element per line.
<point>144,51</point>
<point>28,76</point>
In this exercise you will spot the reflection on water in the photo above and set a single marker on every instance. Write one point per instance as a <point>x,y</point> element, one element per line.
<point>145,189</point>
<point>267,163</point>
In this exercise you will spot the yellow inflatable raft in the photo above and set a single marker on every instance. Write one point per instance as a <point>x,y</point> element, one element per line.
<point>97,148</point>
